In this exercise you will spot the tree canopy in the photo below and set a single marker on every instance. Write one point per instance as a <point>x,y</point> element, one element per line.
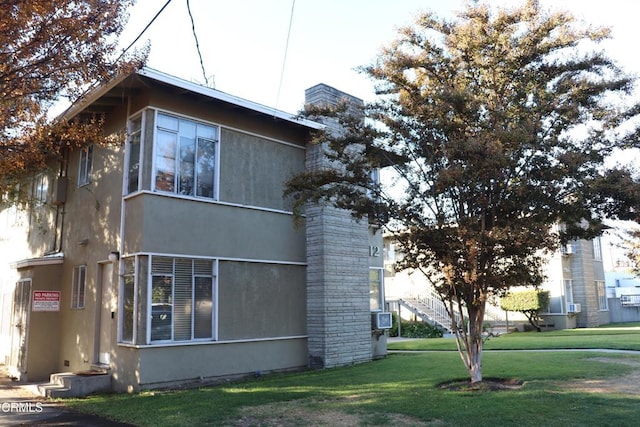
<point>496,126</point>
<point>52,50</point>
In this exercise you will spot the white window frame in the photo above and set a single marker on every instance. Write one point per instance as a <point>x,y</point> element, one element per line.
<point>597,249</point>
<point>568,290</point>
<point>214,300</point>
<point>381,296</point>
<point>133,134</point>
<point>216,153</point>
<point>79,287</point>
<point>85,166</point>
<point>41,188</point>
<point>135,303</point>
<point>601,293</point>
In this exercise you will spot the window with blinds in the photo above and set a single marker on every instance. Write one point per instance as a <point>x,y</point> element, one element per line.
<point>181,299</point>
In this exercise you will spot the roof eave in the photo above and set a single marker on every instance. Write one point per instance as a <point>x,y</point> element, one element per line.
<point>225,97</point>
<point>94,94</point>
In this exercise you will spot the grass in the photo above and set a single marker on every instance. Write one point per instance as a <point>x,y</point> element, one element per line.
<point>402,390</point>
<point>626,337</point>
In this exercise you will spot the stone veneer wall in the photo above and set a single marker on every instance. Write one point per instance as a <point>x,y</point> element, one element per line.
<point>584,285</point>
<point>338,316</point>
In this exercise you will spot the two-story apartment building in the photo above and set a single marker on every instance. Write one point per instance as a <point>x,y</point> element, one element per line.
<point>174,257</point>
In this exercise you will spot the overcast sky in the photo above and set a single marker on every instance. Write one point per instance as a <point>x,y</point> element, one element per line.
<point>243,41</point>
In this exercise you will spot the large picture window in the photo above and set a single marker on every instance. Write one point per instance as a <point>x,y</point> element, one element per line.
<point>181,299</point>
<point>185,157</point>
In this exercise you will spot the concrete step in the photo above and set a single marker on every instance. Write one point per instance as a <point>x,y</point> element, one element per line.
<point>76,384</point>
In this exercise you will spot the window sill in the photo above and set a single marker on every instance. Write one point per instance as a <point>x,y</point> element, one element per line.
<point>206,200</point>
<point>211,342</point>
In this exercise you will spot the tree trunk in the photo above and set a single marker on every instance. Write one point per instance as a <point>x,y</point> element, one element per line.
<point>475,342</point>
<point>531,317</point>
<point>469,336</point>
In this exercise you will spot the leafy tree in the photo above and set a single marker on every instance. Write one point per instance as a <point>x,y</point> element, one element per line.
<point>634,252</point>
<point>51,50</point>
<point>629,241</point>
<point>496,126</point>
<point>529,302</point>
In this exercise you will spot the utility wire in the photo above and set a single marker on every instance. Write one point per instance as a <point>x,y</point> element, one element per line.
<point>193,30</point>
<point>286,50</point>
<point>144,30</point>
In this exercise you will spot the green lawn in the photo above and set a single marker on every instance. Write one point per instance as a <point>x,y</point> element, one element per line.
<point>401,390</point>
<point>611,337</point>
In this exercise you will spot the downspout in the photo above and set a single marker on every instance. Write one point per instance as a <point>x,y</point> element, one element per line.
<point>60,201</point>
<point>122,226</point>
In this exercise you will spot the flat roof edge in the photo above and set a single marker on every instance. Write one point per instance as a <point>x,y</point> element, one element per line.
<point>36,262</point>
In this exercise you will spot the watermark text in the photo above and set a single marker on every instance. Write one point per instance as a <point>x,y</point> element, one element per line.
<point>23,407</point>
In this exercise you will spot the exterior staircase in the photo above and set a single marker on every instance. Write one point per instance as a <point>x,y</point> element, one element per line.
<point>75,384</point>
<point>430,310</point>
<point>433,311</point>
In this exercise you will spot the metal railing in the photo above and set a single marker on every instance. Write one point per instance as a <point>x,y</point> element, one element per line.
<point>630,300</point>
<point>430,308</point>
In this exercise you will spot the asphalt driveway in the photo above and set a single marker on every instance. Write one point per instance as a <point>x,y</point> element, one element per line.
<point>20,406</point>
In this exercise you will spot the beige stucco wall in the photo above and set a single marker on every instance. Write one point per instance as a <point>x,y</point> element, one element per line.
<point>261,300</point>
<point>253,170</point>
<point>91,232</point>
<point>126,369</point>
<point>163,365</point>
<point>44,326</point>
<point>163,224</point>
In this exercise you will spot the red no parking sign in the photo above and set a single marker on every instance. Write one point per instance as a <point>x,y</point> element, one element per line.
<point>46,301</point>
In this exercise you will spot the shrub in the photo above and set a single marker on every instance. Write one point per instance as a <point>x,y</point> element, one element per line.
<point>530,302</point>
<point>414,329</point>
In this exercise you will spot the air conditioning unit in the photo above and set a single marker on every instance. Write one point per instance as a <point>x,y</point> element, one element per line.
<point>567,249</point>
<point>573,307</point>
<point>381,320</point>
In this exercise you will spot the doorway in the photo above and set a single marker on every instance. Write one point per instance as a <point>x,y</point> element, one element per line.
<point>20,330</point>
<point>104,315</point>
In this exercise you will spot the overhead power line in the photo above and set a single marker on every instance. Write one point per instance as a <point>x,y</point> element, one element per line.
<point>286,50</point>
<point>193,30</point>
<point>144,30</point>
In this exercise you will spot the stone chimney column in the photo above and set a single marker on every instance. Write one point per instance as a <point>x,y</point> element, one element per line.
<point>338,312</point>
